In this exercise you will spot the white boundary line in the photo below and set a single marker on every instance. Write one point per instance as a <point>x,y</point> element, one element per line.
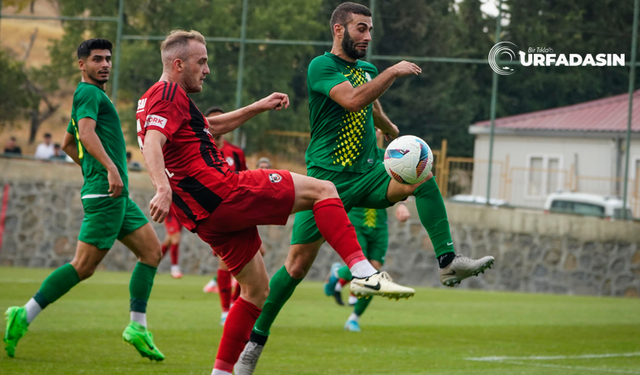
<point>515,361</point>
<point>544,358</point>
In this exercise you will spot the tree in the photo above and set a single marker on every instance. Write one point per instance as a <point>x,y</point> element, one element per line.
<point>15,98</point>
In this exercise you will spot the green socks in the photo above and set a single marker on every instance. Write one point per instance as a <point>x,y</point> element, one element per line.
<point>56,285</point>
<point>282,286</point>
<point>140,286</point>
<point>433,216</point>
<point>361,305</point>
<point>345,273</point>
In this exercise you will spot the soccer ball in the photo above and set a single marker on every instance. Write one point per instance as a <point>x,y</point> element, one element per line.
<point>408,160</point>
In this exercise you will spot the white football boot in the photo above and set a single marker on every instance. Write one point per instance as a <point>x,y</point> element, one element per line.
<point>379,284</point>
<point>248,360</point>
<point>462,267</point>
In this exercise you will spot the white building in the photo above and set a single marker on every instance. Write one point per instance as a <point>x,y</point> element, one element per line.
<point>579,148</point>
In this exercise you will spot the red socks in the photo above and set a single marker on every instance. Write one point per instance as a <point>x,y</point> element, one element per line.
<point>335,227</point>
<point>174,254</point>
<point>224,289</point>
<point>237,329</point>
<point>164,250</point>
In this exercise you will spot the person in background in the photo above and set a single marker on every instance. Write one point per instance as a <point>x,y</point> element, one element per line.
<point>132,164</point>
<point>58,154</point>
<point>45,149</point>
<point>264,163</point>
<point>12,147</point>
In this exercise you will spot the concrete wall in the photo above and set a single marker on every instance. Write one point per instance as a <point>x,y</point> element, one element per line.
<point>534,252</point>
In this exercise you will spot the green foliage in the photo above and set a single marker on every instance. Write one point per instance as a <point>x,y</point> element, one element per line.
<point>432,333</point>
<point>439,104</point>
<point>15,99</point>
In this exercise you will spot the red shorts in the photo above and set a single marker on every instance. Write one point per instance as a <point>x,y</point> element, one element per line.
<point>262,197</point>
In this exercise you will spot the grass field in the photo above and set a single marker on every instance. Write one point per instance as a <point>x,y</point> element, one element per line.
<point>439,331</point>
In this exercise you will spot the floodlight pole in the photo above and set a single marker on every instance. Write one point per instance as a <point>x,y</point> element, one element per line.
<point>494,96</point>
<point>632,78</point>
<point>243,43</point>
<point>116,60</point>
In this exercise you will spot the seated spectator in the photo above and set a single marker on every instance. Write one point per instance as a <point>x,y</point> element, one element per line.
<point>58,154</point>
<point>264,163</point>
<point>45,149</point>
<point>133,165</point>
<point>12,147</point>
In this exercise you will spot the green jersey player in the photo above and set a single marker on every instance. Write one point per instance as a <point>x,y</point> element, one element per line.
<point>344,112</point>
<point>94,140</point>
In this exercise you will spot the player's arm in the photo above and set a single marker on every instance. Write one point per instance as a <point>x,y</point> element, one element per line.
<point>382,122</point>
<point>227,122</point>
<point>160,204</point>
<point>70,148</point>
<point>402,212</point>
<point>354,99</point>
<point>91,142</point>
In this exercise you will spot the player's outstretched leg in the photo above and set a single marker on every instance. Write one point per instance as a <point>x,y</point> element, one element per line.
<point>144,243</point>
<point>433,216</point>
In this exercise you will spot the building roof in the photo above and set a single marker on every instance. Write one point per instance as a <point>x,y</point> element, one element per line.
<point>602,115</point>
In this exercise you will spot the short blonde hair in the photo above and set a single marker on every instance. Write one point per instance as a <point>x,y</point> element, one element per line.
<point>175,44</point>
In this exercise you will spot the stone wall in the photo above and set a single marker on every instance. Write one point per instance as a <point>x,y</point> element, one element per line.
<point>534,252</point>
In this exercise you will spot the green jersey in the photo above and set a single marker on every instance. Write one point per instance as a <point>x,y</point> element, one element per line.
<point>368,217</point>
<point>340,140</point>
<point>89,101</point>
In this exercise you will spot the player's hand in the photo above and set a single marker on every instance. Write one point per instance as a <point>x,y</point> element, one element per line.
<point>391,133</point>
<point>115,182</point>
<point>160,205</point>
<point>405,68</point>
<point>275,101</point>
<point>402,213</point>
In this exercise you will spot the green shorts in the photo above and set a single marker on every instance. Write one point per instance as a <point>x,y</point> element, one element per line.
<point>367,190</point>
<point>374,242</point>
<point>107,219</point>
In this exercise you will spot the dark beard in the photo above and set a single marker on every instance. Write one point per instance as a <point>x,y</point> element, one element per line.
<point>348,46</point>
<point>99,80</point>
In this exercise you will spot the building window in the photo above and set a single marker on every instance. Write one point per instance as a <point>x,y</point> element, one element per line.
<point>544,175</point>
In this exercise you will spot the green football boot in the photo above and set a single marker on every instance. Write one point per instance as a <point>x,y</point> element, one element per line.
<point>141,339</point>
<point>17,326</point>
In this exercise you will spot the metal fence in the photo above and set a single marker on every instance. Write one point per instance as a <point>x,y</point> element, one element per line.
<point>454,174</point>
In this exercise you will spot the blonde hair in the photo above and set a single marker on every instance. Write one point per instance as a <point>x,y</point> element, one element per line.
<point>175,45</point>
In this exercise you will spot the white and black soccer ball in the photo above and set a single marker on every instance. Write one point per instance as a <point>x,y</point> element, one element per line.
<point>408,159</point>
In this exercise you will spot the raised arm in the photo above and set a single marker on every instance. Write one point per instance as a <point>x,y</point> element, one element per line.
<point>354,99</point>
<point>91,142</point>
<point>227,122</point>
<point>161,202</point>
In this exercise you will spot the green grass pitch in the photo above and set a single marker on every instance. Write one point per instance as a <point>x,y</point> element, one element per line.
<point>436,332</point>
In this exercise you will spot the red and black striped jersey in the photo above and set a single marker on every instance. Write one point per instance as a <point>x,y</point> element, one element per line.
<point>199,177</point>
<point>234,156</point>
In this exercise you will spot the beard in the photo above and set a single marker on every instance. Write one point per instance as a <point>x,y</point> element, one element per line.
<point>97,78</point>
<point>349,47</point>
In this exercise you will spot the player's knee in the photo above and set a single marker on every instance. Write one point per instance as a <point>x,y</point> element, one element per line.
<point>84,271</point>
<point>326,189</point>
<point>151,257</point>
<point>298,269</point>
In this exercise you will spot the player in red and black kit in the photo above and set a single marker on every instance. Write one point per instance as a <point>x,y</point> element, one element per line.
<point>227,287</point>
<point>224,208</point>
<point>172,242</point>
